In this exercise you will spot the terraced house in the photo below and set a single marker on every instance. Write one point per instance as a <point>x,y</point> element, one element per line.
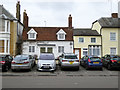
<point>109,29</point>
<point>10,31</point>
<point>86,42</point>
<point>55,40</point>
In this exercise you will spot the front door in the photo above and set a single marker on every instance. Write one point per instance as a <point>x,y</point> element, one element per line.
<point>77,53</point>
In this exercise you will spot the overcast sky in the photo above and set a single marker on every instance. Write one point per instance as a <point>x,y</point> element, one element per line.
<point>56,12</point>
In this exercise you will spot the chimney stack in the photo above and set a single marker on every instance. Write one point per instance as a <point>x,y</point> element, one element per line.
<point>70,21</point>
<point>18,11</point>
<point>114,15</point>
<point>25,19</point>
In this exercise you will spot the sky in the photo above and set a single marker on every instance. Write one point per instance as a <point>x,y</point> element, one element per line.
<point>54,13</point>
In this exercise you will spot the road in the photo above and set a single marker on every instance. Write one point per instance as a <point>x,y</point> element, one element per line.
<point>61,79</point>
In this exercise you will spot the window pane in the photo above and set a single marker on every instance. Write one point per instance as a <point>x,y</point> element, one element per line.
<point>81,39</point>
<point>1,46</point>
<point>60,49</point>
<point>113,51</point>
<point>93,40</point>
<point>42,49</point>
<point>33,48</point>
<point>29,48</point>
<point>49,49</point>
<point>112,36</point>
<point>32,35</point>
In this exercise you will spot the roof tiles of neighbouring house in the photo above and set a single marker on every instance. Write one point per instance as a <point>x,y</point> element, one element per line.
<point>85,32</point>
<point>49,33</point>
<point>109,22</point>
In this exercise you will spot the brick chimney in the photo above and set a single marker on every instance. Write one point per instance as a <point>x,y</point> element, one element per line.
<point>25,19</point>
<point>114,15</point>
<point>70,21</point>
<point>18,11</point>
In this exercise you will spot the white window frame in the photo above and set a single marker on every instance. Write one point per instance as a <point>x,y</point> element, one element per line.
<point>85,50</point>
<point>112,52</point>
<point>94,39</point>
<point>31,49</point>
<point>112,38</point>
<point>81,38</point>
<point>34,37</point>
<point>61,49</point>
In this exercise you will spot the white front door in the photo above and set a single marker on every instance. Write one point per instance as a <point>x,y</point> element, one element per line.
<point>77,53</point>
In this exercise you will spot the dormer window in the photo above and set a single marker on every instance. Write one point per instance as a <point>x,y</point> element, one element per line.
<point>32,34</point>
<point>61,34</point>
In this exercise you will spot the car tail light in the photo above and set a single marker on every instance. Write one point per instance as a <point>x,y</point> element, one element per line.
<point>26,62</point>
<point>77,60</point>
<point>101,60</point>
<point>114,60</point>
<point>89,60</point>
<point>13,62</point>
<point>64,60</point>
<point>2,62</point>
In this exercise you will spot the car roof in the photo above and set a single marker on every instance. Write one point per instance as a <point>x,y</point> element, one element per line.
<point>92,56</point>
<point>46,54</point>
<point>23,55</point>
<point>69,54</point>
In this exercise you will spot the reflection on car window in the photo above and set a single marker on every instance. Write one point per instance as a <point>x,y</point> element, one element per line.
<point>94,58</point>
<point>70,57</point>
<point>46,57</point>
<point>21,58</point>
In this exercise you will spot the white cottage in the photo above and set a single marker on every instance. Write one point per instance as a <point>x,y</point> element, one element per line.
<point>55,40</point>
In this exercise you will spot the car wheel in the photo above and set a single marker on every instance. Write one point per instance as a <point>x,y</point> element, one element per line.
<point>6,68</point>
<point>30,69</point>
<point>86,67</point>
<point>77,68</point>
<point>13,70</point>
<point>109,67</point>
<point>61,68</point>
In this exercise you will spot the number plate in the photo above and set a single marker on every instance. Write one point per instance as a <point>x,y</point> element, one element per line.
<point>19,64</point>
<point>46,66</point>
<point>71,62</point>
<point>95,62</point>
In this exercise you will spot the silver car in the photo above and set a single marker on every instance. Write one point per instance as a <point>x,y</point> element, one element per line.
<point>22,62</point>
<point>67,60</point>
<point>46,62</point>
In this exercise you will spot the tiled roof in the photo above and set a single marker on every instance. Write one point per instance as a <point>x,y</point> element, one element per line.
<point>109,22</point>
<point>85,32</point>
<point>49,33</point>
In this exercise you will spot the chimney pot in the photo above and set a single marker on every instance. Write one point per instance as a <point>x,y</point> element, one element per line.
<point>114,15</point>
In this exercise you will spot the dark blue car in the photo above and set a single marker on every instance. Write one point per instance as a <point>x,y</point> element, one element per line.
<point>91,62</point>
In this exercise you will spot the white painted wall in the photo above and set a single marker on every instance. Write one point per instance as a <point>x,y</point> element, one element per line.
<point>67,47</point>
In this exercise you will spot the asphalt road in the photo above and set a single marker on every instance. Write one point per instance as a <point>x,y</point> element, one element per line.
<point>61,79</point>
<point>60,82</point>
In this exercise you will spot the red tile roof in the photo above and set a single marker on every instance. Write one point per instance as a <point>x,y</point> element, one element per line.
<point>49,33</point>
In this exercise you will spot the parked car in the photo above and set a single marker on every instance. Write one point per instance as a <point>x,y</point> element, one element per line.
<point>46,62</point>
<point>111,61</point>
<point>68,60</point>
<point>5,62</point>
<point>91,62</point>
<point>22,62</point>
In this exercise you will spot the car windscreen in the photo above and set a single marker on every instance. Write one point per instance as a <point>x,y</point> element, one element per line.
<point>46,57</point>
<point>115,58</point>
<point>2,59</point>
<point>21,58</point>
<point>70,57</point>
<point>95,59</point>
